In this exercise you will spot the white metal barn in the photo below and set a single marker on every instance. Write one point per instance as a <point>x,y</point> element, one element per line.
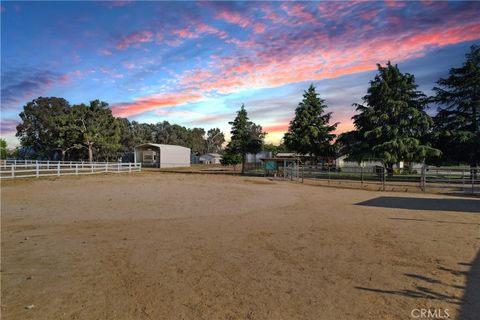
<point>162,155</point>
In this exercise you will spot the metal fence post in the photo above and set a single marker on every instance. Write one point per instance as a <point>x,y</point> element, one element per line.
<point>384,178</point>
<point>473,172</point>
<point>361,177</point>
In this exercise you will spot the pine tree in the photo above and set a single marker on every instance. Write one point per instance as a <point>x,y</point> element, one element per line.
<point>457,125</point>
<point>310,132</point>
<point>392,121</point>
<point>246,136</point>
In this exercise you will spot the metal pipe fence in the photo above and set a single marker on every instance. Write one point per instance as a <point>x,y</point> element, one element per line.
<point>426,178</point>
<point>11,169</point>
<point>461,180</point>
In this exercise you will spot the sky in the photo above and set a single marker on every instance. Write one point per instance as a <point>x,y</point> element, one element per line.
<point>195,63</point>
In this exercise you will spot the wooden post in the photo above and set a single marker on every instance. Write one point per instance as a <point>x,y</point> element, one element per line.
<point>118,167</point>
<point>37,171</point>
<point>129,167</point>
<point>76,169</point>
<point>58,168</point>
<point>13,171</point>
<point>106,166</point>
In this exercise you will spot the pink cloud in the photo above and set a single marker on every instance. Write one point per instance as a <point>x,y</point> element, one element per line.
<point>297,10</point>
<point>259,27</point>
<point>184,33</point>
<point>149,103</point>
<point>233,18</point>
<point>134,39</point>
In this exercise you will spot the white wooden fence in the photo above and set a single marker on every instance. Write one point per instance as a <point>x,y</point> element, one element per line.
<point>10,169</point>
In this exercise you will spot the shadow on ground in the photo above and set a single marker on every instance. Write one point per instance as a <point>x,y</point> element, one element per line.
<point>457,205</point>
<point>471,299</point>
<point>434,289</point>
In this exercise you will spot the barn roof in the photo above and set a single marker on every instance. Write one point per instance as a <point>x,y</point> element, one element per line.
<point>161,146</point>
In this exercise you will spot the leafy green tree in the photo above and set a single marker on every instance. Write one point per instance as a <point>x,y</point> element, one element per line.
<point>392,122</point>
<point>98,129</point>
<point>457,124</point>
<point>246,136</point>
<point>353,144</point>
<point>215,139</point>
<point>3,149</point>
<point>231,158</point>
<point>310,132</point>
<point>196,140</point>
<point>47,127</point>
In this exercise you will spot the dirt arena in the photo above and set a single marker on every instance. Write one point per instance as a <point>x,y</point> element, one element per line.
<point>178,246</point>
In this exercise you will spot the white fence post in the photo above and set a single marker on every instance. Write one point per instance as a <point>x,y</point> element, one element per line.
<point>129,167</point>
<point>37,169</point>
<point>106,166</point>
<point>13,172</point>
<point>76,169</point>
<point>58,168</point>
<point>118,167</point>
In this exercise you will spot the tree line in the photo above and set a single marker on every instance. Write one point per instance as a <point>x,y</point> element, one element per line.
<point>53,129</point>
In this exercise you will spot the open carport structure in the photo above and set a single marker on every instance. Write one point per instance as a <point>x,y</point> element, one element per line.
<point>162,155</point>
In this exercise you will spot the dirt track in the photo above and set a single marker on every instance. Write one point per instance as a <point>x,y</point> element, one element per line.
<point>172,246</point>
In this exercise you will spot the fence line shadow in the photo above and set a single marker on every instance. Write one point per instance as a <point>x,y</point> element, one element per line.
<point>469,303</point>
<point>411,203</point>
<point>470,308</point>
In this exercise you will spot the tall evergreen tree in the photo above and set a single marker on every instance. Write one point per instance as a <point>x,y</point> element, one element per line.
<point>246,136</point>
<point>392,121</point>
<point>310,132</point>
<point>457,124</point>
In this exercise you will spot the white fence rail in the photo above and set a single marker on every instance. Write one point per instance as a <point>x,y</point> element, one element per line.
<point>10,169</point>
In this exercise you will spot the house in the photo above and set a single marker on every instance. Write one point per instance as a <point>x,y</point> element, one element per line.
<point>162,155</point>
<point>210,158</point>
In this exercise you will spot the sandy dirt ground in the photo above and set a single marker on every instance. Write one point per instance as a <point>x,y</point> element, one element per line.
<point>178,246</point>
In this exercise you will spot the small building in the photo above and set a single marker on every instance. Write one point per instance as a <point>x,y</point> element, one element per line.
<point>210,158</point>
<point>256,157</point>
<point>162,155</point>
